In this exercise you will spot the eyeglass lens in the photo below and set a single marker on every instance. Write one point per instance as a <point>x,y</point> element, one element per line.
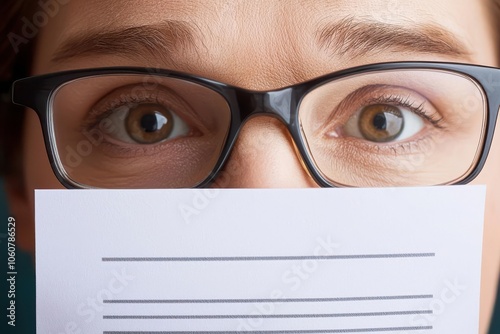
<point>138,131</point>
<point>395,128</point>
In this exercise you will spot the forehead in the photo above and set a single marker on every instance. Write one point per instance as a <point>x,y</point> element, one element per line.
<point>266,44</point>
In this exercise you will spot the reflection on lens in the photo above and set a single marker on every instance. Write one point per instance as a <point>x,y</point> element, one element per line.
<point>121,131</point>
<point>394,128</point>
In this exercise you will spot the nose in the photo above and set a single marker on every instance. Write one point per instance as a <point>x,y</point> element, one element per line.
<point>264,156</point>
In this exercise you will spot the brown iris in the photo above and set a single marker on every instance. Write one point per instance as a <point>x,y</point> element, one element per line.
<point>149,123</point>
<point>381,122</point>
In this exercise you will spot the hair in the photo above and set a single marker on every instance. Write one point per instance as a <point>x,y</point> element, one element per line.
<point>16,63</point>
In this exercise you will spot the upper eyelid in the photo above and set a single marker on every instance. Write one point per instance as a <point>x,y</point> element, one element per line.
<point>149,96</point>
<point>356,95</point>
<point>102,107</point>
<point>118,95</point>
<point>405,102</point>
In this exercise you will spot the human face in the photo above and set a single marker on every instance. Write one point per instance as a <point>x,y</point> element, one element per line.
<point>265,45</point>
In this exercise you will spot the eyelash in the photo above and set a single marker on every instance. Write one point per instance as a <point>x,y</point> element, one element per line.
<point>435,119</point>
<point>95,116</point>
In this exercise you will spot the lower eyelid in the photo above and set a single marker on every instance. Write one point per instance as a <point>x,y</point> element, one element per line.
<point>119,149</point>
<point>388,149</point>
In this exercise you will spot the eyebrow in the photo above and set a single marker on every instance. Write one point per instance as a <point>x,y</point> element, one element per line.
<point>165,39</point>
<point>346,37</point>
<point>349,37</point>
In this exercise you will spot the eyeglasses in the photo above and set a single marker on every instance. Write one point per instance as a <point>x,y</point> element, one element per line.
<point>392,124</point>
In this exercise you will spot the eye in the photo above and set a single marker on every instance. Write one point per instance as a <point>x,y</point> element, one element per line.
<point>383,123</point>
<point>146,123</point>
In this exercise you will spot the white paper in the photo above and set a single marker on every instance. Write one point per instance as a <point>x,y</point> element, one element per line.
<point>273,261</point>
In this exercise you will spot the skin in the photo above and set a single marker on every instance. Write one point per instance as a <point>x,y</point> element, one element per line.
<point>263,45</point>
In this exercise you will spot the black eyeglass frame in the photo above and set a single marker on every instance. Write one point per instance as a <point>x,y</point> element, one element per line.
<point>36,93</point>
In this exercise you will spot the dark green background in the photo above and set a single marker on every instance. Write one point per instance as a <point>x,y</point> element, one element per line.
<point>25,286</point>
<point>25,282</point>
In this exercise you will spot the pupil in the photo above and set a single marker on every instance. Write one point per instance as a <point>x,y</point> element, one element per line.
<point>153,122</point>
<point>148,123</point>
<point>380,122</point>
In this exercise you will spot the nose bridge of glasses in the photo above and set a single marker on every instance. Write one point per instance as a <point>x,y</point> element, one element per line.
<point>279,104</point>
<point>276,104</point>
